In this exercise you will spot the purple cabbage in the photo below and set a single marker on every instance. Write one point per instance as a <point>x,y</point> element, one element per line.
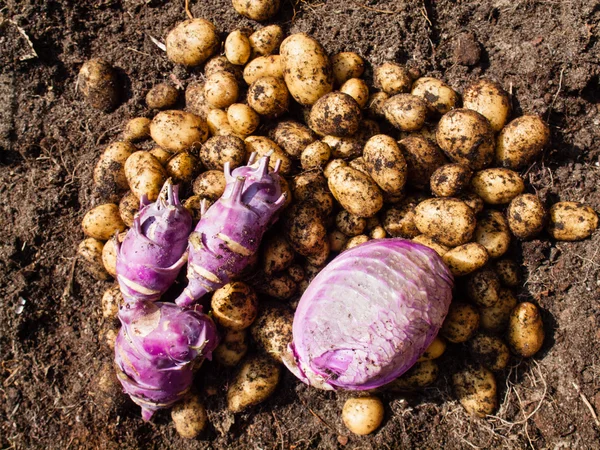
<point>368,315</point>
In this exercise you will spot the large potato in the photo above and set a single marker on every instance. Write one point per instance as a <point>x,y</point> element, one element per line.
<point>232,348</point>
<point>237,48</point>
<point>192,42</point>
<point>526,216</point>
<point>450,180</point>
<point>490,100</point>
<point>439,97</point>
<point>306,68</point>
<point>346,65</point>
<point>363,415</point>
<point>254,383</point>
<point>258,10</point>
<point>266,40</point>
<point>98,82</point>
<point>525,330</point>
<point>521,141</point>
<point>234,306</point>
<point>571,221</point>
<point>145,175</point>
<point>177,131</point>
<point>386,163</point>
<point>490,351</point>
<point>293,137</point>
<point>305,229</point>
<point>475,388</point>
<point>495,318</point>
<point>90,255</point>
<point>268,96</point>
<point>467,138</point>
<point>461,323</point>
<point>335,114</point>
<point>102,222</point>
<point>109,173</point>
<point>162,96</point>
<point>221,90</point>
<point>493,233</point>
<point>210,184</point>
<point>264,146</point>
<point>423,157</point>
<point>263,66</point>
<point>497,186</point>
<point>272,330</point>
<point>392,78</point>
<point>221,149</point>
<point>447,220</point>
<point>405,112</point>
<point>466,258</point>
<point>243,119</point>
<point>355,191</point>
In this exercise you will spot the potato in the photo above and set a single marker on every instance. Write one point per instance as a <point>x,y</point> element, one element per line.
<point>473,201</point>
<point>434,351</point>
<point>439,97</point>
<point>304,228</point>
<point>447,220</point>
<point>467,138</point>
<point>177,131</point>
<point>335,114</point>
<point>266,40</point>
<point>495,318</point>
<point>195,100</point>
<point>112,299</point>
<point>102,222</point>
<point>337,241</point>
<point>493,233</point>
<point>466,258</point>
<point>405,112</point>
<point>422,157</point>
<point>378,233</point>
<point>315,155</point>
<point>268,96</point>
<point>320,255</point>
<point>332,165</point>
<point>221,149</point>
<point>128,207</point>
<point>192,42</point>
<point>218,123</point>
<point>221,90</point>
<point>263,66</point>
<point>392,78</point>
<point>210,184</point>
<point>346,65</point>
<point>526,216</point>
<point>234,306</point>
<point>189,417</point>
<point>220,63</point>
<point>232,348</point>
<point>490,351</point>
<point>243,119</point>
<point>428,242</point>
<point>137,129</point>
<point>258,10</point>
<point>399,220</point>
<point>99,84</point>
<point>254,383</point>
<point>277,255</point>
<point>272,330</point>
<point>350,224</point>
<point>376,105</point>
<point>109,173</point>
<point>237,48</point>
<point>361,165</point>
<point>362,415</point>
<point>344,147</point>
<point>497,186</point>
<point>307,70</point>
<point>183,167</point>
<point>421,375</point>
<point>490,100</point>
<point>461,323</point>
<point>475,388</point>
<point>355,241</point>
<point>108,334</point>
<point>366,130</point>
<point>196,205</point>
<point>508,272</point>
<point>483,288</point>
<point>264,146</point>
<point>145,175</point>
<point>571,221</point>
<point>90,254</point>
<point>162,96</point>
<point>293,137</point>
<point>355,191</point>
<point>109,255</point>
<point>296,272</point>
<point>386,163</point>
<point>450,180</point>
<point>312,187</point>
<point>280,286</point>
<point>521,141</point>
<point>357,89</point>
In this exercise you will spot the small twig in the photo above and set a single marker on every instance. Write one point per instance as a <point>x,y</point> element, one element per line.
<point>587,403</point>
<point>383,11</point>
<point>69,287</point>
<point>560,80</point>
<point>187,10</point>
<point>279,430</point>
<point>317,416</point>
<point>137,51</point>
<point>423,12</point>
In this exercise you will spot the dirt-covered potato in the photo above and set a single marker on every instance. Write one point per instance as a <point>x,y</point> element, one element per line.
<point>473,201</point>
<point>266,40</point>
<point>145,175</point>
<point>335,114</point>
<point>234,306</point>
<point>258,10</point>
<point>421,375</point>
<point>406,112</point>
<point>428,242</point>
<point>378,233</point>
<point>490,351</point>
<point>189,417</point>
<point>162,96</point>
<point>90,255</point>
<point>221,90</point>
<point>312,187</point>
<point>109,173</point>
<point>277,254</point>
<point>218,123</point>
<point>111,301</point>
<point>346,65</point>
<point>399,220</point>
<point>210,184</point>
<point>109,255</point>
<point>386,163</point>
<point>221,149</point>
<point>357,89</point>
<point>571,221</point>
<point>447,220</point>
<point>192,42</point>
<point>439,97</point>
<point>293,137</point>
<point>521,141</point>
<point>525,330</point>
<point>102,222</point>
<point>264,146</point>
<point>508,272</point>
<point>263,66</point>
<point>483,287</point>
<point>461,323</point>
<point>183,167</point>
<point>315,155</point>
<point>306,68</point>
<point>361,165</point>
<point>350,224</point>
<point>497,186</point>
<point>337,241</point>
<point>392,78</point>
<point>355,191</point>
<point>450,180</point>
<point>490,100</point>
<point>434,351</point>
<point>475,388</point>
<point>254,383</point>
<point>495,318</point>
<point>493,233</point>
<point>296,272</point>
<point>344,147</point>
<point>320,255</point>
<point>467,138</point>
<point>237,48</point>
<point>137,129</point>
<point>422,157</point>
<point>243,119</point>
<point>332,165</point>
<point>98,82</point>
<point>526,216</point>
<point>355,241</point>
<point>195,100</point>
<point>362,415</point>
<point>232,348</point>
<point>466,258</point>
<point>177,131</point>
<point>280,286</point>
<point>304,228</point>
<point>128,207</point>
<point>272,330</point>
<point>268,96</point>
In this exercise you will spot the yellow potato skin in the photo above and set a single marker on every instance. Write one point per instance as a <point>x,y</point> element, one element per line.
<point>189,417</point>
<point>466,258</point>
<point>476,390</point>
<point>362,415</point>
<point>145,175</point>
<point>177,131</point>
<point>497,186</point>
<point>254,383</point>
<point>461,323</point>
<point>571,221</point>
<point>192,42</point>
<point>102,222</point>
<point>447,220</point>
<point>521,141</point>
<point>490,100</point>
<point>355,191</point>
<point>525,332</point>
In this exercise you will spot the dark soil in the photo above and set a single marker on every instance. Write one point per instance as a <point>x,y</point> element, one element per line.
<point>546,52</point>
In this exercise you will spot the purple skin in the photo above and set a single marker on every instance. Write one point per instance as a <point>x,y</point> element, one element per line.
<point>369,315</point>
<point>154,250</point>
<point>156,351</point>
<point>230,231</point>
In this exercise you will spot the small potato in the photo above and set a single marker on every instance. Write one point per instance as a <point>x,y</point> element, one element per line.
<point>304,229</point>
<point>466,258</point>
<point>315,156</point>
<point>439,97</point>
<point>90,254</point>
<point>337,241</point>
<point>221,90</point>
<point>467,138</point>
<point>221,149</point>
<point>234,306</point>
<point>162,155</point>
<point>268,96</point>
<point>495,318</point>
<point>183,167</point>
<point>177,131</point>
<point>296,272</point>
<point>112,299</point>
<point>483,288</point>
<point>279,286</point>
<point>192,42</point>
<point>447,220</point>
<point>493,233</point>
<point>312,187</point>
<point>571,221</point>
<point>218,123</point>
<point>109,255</point>
<point>277,255</point>
<point>243,119</point>
<point>376,105</point>
<point>526,216</point>
<point>497,186</point>
<point>350,224</point>
<point>473,201</point>
<point>128,207</point>
<point>109,173</point>
<point>355,241</point>
<point>145,175</point>
<point>490,100</point>
<point>434,351</point>
<point>293,137</point>
<point>232,348</point>
<point>210,184</point>
<point>525,332</point>
<point>450,180</point>
<point>362,415</point>
<point>195,100</point>
<point>355,191</point>
<point>346,65</point>
<point>405,112</point>
<point>422,157</point>
<point>162,96</point>
<point>261,67</point>
<point>475,388</point>
<point>399,220</point>
<point>344,147</point>
<point>102,222</point>
<point>222,64</point>
<point>137,129</point>
<point>378,233</point>
<point>99,84</point>
<point>428,242</point>
<point>335,114</point>
<point>521,141</point>
<point>254,383</point>
<point>508,272</point>
<point>392,78</point>
<point>357,89</point>
<point>319,257</point>
<point>332,165</point>
<point>272,330</point>
<point>189,417</point>
<point>461,323</point>
<point>264,146</point>
<point>237,48</point>
<point>258,10</point>
<point>421,375</point>
<point>266,40</point>
<point>490,351</point>
<point>386,163</point>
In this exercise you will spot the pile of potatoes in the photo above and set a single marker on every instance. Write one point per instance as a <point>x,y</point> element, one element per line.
<point>407,156</point>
